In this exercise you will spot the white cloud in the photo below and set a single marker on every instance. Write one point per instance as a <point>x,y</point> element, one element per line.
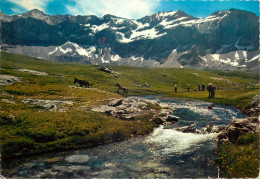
<point>121,8</point>
<point>17,10</point>
<point>31,4</point>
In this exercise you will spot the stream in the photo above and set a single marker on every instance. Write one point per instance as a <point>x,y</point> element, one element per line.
<point>165,153</point>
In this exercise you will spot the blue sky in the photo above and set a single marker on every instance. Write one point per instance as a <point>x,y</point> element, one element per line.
<point>126,8</point>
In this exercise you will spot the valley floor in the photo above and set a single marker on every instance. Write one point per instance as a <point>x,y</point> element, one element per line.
<point>43,111</point>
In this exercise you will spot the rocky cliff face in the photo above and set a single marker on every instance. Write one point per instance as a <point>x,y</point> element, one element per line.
<point>226,39</point>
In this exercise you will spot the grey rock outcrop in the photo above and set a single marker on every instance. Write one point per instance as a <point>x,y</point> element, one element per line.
<point>33,72</point>
<point>254,108</point>
<point>238,127</point>
<point>9,80</point>
<point>51,105</point>
<point>107,69</point>
<point>146,85</point>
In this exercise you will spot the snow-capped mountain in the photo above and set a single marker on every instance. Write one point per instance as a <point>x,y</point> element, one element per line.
<point>225,39</point>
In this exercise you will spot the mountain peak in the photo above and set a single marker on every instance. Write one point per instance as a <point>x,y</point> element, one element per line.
<point>231,11</point>
<point>34,13</point>
<point>109,16</point>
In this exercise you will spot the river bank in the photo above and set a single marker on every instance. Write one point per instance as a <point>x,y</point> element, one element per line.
<point>163,153</point>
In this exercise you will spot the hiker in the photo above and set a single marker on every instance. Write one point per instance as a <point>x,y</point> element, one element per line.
<point>211,89</point>
<point>199,86</point>
<point>203,87</point>
<point>245,85</point>
<point>213,92</point>
<point>188,88</point>
<point>175,88</point>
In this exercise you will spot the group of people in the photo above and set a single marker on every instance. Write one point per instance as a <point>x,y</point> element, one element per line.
<point>201,87</point>
<point>212,90</point>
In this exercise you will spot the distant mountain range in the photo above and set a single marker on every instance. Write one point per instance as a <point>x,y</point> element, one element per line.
<point>226,39</point>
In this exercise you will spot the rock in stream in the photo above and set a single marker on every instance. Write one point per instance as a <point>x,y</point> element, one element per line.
<point>129,109</point>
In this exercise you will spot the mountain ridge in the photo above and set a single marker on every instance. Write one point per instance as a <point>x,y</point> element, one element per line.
<point>151,39</point>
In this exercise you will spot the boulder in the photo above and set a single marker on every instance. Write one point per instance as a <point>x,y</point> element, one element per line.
<point>213,129</point>
<point>238,127</point>
<point>146,85</point>
<point>188,129</point>
<point>211,106</point>
<point>172,118</point>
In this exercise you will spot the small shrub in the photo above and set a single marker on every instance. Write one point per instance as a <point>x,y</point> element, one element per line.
<point>13,92</point>
<point>7,119</point>
<point>247,139</point>
<point>16,147</point>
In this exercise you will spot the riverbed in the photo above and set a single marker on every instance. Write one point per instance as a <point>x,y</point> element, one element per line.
<point>165,153</point>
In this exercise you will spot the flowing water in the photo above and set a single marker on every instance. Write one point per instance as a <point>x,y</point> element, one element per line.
<point>165,153</point>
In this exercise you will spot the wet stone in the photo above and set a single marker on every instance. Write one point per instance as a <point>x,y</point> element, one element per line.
<point>79,168</point>
<point>53,160</point>
<point>77,159</point>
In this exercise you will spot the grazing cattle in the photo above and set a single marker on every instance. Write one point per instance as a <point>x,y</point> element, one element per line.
<point>81,82</point>
<point>125,90</point>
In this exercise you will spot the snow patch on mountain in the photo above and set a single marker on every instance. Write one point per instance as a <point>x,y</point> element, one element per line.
<point>96,28</point>
<point>69,46</point>
<point>85,52</point>
<point>166,14</point>
<point>60,49</point>
<point>140,25</point>
<point>115,58</point>
<point>137,35</point>
<point>198,23</point>
<point>204,59</point>
<point>215,57</point>
<point>118,21</point>
<point>170,24</point>
<point>255,58</point>
<point>236,56</point>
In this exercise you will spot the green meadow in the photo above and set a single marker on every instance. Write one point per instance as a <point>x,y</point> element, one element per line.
<point>26,130</point>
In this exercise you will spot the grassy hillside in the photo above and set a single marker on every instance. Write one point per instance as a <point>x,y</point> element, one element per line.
<point>27,130</point>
